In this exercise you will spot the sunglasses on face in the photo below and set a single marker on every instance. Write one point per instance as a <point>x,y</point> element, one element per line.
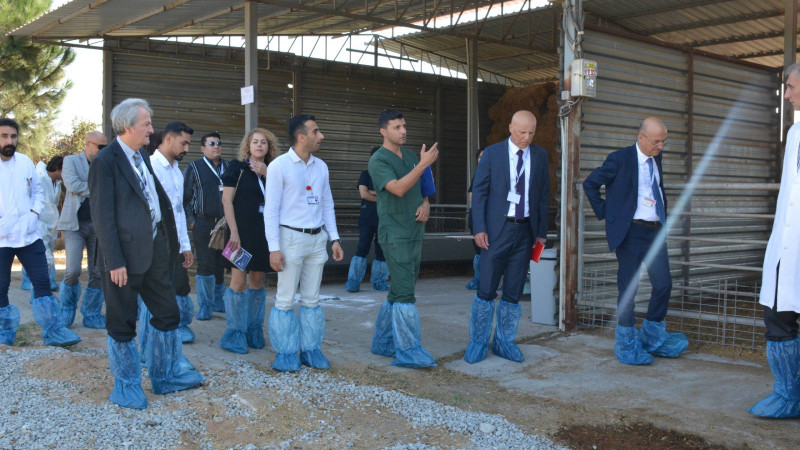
<point>100,146</point>
<point>211,144</point>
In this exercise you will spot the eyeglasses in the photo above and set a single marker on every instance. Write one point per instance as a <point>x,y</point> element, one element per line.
<point>95,143</point>
<point>662,144</point>
<point>100,146</point>
<point>212,143</point>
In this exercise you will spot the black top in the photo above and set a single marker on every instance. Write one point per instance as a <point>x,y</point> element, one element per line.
<point>201,194</point>
<point>369,210</point>
<point>249,220</point>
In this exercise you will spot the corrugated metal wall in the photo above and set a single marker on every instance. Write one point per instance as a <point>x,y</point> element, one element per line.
<point>719,241</point>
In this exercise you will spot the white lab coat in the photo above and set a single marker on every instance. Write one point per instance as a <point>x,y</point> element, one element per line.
<point>51,193</point>
<point>784,243</point>
<point>20,193</point>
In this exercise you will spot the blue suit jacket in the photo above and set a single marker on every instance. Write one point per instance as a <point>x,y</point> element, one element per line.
<point>493,182</point>
<point>620,175</point>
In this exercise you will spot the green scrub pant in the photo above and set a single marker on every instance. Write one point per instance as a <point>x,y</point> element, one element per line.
<point>403,259</point>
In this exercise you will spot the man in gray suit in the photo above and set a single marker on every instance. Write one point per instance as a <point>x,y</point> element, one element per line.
<point>76,224</point>
<point>138,246</point>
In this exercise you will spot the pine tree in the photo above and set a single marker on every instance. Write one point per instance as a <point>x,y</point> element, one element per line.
<point>32,84</point>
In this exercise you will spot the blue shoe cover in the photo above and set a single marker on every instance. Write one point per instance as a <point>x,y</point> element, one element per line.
<point>46,313</point>
<point>92,307</point>
<point>186,308</point>
<point>475,282</point>
<point>123,360</point>
<point>382,342</point>
<point>167,374</point>
<point>9,322</point>
<point>657,341</point>
<point>256,300</point>
<point>218,305</point>
<point>234,339</point>
<point>312,331</point>
<point>784,362</point>
<point>407,335</point>
<point>143,327</point>
<point>52,272</point>
<point>26,281</point>
<point>284,334</point>
<point>628,347</point>
<point>508,315</point>
<point>205,286</point>
<point>480,329</point>
<point>69,302</point>
<point>358,267</point>
<point>379,276</point>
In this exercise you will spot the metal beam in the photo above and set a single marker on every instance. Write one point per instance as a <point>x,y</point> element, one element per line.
<point>473,136</point>
<point>676,7</point>
<point>717,22</point>
<point>66,19</point>
<point>740,38</point>
<point>198,20</point>
<point>251,62</point>
<point>144,16</point>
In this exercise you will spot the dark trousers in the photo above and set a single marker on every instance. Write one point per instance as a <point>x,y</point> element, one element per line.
<point>781,325</point>
<point>34,261</point>
<point>402,259</point>
<point>155,287</point>
<point>630,255</point>
<point>209,261</point>
<point>509,257</point>
<point>180,278</point>
<point>367,233</point>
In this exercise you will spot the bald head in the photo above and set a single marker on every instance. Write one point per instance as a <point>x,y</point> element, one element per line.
<point>93,140</point>
<point>652,136</point>
<point>522,128</point>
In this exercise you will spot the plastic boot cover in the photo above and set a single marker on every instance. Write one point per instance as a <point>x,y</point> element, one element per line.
<point>382,342</point>
<point>218,305</point>
<point>784,362</point>
<point>26,281</point>
<point>379,275</point>
<point>186,308</point>
<point>312,330</point>
<point>92,307</point>
<point>123,360</point>
<point>143,327</point>
<point>480,329</point>
<point>164,353</point>
<point>657,341</point>
<point>69,302</point>
<point>9,322</point>
<point>508,315</point>
<point>52,272</point>
<point>46,313</point>
<point>284,334</point>
<point>628,347</point>
<point>256,300</point>
<point>234,339</point>
<point>408,337</point>
<point>358,267</point>
<point>204,285</point>
<point>475,282</point>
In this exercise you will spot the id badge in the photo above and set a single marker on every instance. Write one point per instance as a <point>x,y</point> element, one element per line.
<point>261,208</point>
<point>513,197</point>
<point>312,199</point>
<point>220,187</point>
<point>648,202</point>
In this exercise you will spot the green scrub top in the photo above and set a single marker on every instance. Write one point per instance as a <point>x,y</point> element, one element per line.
<point>397,215</point>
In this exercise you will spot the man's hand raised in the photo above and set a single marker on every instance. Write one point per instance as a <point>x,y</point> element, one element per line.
<point>428,157</point>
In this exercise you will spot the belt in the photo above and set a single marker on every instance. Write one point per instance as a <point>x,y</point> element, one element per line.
<point>514,220</point>
<point>647,223</point>
<point>304,230</point>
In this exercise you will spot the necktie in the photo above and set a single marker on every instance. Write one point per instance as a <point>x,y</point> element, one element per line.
<point>519,212</point>
<point>137,159</point>
<point>662,214</point>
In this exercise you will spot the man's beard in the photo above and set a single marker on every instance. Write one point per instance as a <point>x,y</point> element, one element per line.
<point>8,150</point>
<point>179,156</point>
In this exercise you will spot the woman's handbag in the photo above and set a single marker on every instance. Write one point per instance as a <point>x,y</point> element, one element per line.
<point>219,233</point>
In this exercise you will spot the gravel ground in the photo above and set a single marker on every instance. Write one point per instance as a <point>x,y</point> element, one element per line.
<point>244,406</point>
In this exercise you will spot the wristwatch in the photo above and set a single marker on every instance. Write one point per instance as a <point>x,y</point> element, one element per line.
<point>336,240</point>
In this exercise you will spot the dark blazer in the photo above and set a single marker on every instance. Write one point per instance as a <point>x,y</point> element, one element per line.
<point>491,186</point>
<point>620,175</point>
<point>121,214</point>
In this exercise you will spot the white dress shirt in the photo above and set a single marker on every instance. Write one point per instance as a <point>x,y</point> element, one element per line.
<point>287,197</point>
<point>151,184</point>
<point>171,179</point>
<point>21,193</point>
<point>512,162</point>
<point>51,195</point>
<point>645,199</point>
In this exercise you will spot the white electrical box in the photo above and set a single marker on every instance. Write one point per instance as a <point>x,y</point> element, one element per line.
<point>584,78</point>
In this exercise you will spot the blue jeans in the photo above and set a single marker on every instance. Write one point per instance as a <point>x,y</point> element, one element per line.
<point>34,261</point>
<point>367,233</point>
<point>74,242</point>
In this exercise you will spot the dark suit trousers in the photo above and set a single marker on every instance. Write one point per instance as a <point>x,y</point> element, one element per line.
<point>155,287</point>
<point>209,261</point>
<point>781,325</point>
<point>630,255</point>
<point>509,256</point>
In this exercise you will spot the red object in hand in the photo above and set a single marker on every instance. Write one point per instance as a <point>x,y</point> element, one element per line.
<point>536,253</point>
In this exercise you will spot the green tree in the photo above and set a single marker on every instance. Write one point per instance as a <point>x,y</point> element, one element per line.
<point>32,84</point>
<point>72,143</point>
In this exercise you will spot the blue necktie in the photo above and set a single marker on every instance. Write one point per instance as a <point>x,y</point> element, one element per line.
<point>662,215</point>
<point>519,212</point>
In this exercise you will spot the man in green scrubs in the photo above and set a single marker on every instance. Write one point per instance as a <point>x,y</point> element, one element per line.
<point>402,213</point>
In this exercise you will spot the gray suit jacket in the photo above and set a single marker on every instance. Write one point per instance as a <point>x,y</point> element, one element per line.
<point>121,215</point>
<point>75,176</point>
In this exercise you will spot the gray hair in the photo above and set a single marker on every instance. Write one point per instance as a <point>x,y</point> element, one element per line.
<point>126,113</point>
<point>793,69</point>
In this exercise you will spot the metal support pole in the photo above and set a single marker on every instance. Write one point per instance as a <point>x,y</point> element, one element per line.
<point>108,87</point>
<point>789,58</point>
<point>251,62</point>
<point>686,248</point>
<point>473,136</point>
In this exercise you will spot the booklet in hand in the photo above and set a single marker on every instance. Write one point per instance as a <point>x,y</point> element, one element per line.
<point>239,258</point>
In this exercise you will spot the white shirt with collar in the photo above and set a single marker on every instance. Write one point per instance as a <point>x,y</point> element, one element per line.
<point>151,184</point>
<point>512,163</point>
<point>21,194</point>
<point>645,198</point>
<point>287,195</point>
<point>171,179</point>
